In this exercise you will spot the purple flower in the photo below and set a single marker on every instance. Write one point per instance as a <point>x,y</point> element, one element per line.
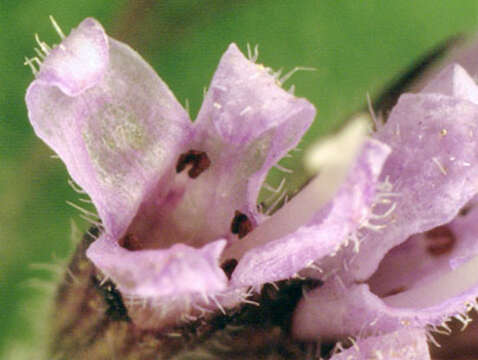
<point>182,233</point>
<point>418,268</point>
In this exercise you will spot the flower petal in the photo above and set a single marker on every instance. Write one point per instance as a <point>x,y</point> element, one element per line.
<point>433,166</point>
<point>436,281</point>
<point>178,271</point>
<point>250,123</point>
<point>116,131</point>
<point>428,256</point>
<point>400,345</point>
<point>356,310</point>
<point>453,81</point>
<point>328,229</point>
<point>80,62</point>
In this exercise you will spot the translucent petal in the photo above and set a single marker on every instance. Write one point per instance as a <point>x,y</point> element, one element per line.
<point>117,130</point>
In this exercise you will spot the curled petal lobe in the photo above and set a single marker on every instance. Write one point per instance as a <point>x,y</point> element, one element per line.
<point>178,271</point>
<point>80,62</point>
<point>118,133</point>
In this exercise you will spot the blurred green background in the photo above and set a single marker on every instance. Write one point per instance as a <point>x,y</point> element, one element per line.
<point>356,46</point>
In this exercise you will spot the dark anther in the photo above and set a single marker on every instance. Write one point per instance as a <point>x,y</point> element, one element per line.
<point>130,242</point>
<point>465,210</point>
<point>228,266</point>
<point>440,240</point>
<point>198,160</point>
<point>241,225</point>
<point>115,307</point>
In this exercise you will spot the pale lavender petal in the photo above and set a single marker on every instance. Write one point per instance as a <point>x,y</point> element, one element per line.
<point>359,311</point>
<point>454,81</point>
<point>117,129</point>
<point>428,256</point>
<point>325,232</point>
<point>424,281</point>
<point>430,277</point>
<point>176,272</point>
<point>79,62</point>
<point>248,123</point>
<point>433,167</point>
<point>401,345</point>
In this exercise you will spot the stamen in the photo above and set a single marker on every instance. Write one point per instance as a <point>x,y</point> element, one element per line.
<point>241,225</point>
<point>441,240</point>
<point>130,242</point>
<point>198,159</point>
<point>228,266</point>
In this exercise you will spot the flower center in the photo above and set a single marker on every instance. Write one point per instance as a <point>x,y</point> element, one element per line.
<point>187,206</point>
